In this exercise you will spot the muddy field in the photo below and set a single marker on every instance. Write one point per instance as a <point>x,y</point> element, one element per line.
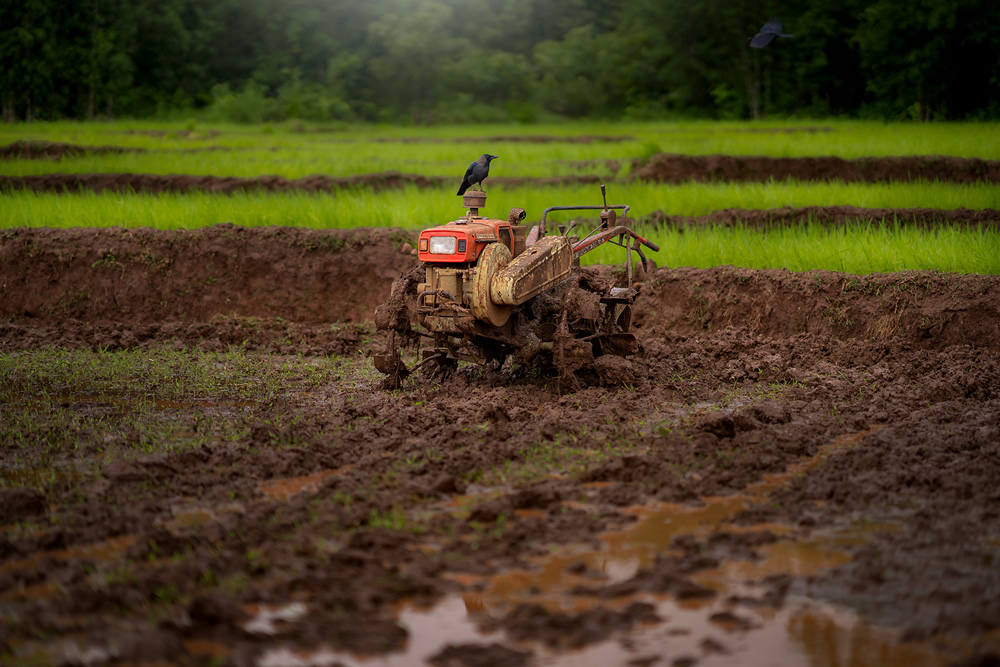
<point>829,216</point>
<point>198,467</point>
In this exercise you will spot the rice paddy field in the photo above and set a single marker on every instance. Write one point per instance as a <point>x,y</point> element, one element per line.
<point>795,464</point>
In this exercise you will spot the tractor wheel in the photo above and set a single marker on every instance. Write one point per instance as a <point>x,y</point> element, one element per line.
<point>493,258</point>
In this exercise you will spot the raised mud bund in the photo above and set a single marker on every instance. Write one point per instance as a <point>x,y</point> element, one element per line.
<point>660,168</point>
<point>802,469</point>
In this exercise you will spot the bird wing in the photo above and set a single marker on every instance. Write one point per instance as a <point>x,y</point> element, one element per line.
<point>774,25</point>
<point>762,39</point>
<point>467,180</point>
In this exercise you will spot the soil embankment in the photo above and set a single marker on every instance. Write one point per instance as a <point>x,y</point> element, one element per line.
<point>49,150</point>
<point>659,169</point>
<point>146,275</point>
<point>181,183</point>
<point>142,276</point>
<point>672,168</point>
<point>827,215</point>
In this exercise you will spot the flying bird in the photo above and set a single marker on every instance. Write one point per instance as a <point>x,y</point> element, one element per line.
<point>767,34</point>
<point>477,173</point>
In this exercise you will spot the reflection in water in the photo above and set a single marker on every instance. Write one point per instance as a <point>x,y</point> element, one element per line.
<point>624,552</point>
<point>830,643</point>
<point>269,620</point>
<point>710,632</point>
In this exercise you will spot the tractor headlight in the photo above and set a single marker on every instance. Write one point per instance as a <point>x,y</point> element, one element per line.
<point>443,245</point>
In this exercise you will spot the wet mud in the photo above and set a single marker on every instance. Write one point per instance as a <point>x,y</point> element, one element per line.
<point>672,168</point>
<point>828,215</point>
<point>800,468</point>
<point>180,183</point>
<point>186,278</point>
<point>661,169</point>
<point>49,150</point>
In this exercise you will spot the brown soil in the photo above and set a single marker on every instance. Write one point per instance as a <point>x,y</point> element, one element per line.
<point>143,276</point>
<point>283,540</point>
<point>669,168</point>
<point>154,183</point>
<point>660,168</point>
<point>177,183</point>
<point>828,215</point>
<point>46,150</point>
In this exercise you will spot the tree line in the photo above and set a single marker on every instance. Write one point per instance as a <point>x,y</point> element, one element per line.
<point>427,61</point>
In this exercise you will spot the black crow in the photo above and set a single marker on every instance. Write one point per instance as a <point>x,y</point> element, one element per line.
<point>477,172</point>
<point>770,30</point>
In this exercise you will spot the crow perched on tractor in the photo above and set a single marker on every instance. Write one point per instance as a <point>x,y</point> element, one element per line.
<point>767,33</point>
<point>477,172</point>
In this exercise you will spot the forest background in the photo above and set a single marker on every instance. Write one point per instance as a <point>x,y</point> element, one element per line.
<point>454,61</point>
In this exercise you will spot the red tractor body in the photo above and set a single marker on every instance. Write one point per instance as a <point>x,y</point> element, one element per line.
<point>491,289</point>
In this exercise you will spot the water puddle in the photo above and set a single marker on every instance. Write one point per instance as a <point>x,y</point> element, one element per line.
<point>268,620</point>
<point>800,634</point>
<point>709,630</point>
<point>625,552</point>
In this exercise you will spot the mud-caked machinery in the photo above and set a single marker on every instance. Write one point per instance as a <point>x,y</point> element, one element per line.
<point>491,289</point>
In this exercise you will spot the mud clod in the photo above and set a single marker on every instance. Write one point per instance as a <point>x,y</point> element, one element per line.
<point>556,629</point>
<point>475,655</point>
<point>20,503</point>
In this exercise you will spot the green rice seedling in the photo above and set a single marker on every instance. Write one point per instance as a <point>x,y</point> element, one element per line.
<point>860,247</point>
<point>156,375</point>
<point>293,151</point>
<point>841,138</point>
<point>413,208</point>
<point>57,403</point>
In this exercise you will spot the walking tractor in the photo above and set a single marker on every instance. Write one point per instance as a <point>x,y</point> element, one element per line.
<point>490,289</point>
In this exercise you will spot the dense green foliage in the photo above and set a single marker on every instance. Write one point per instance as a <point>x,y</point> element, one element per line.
<point>426,61</point>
